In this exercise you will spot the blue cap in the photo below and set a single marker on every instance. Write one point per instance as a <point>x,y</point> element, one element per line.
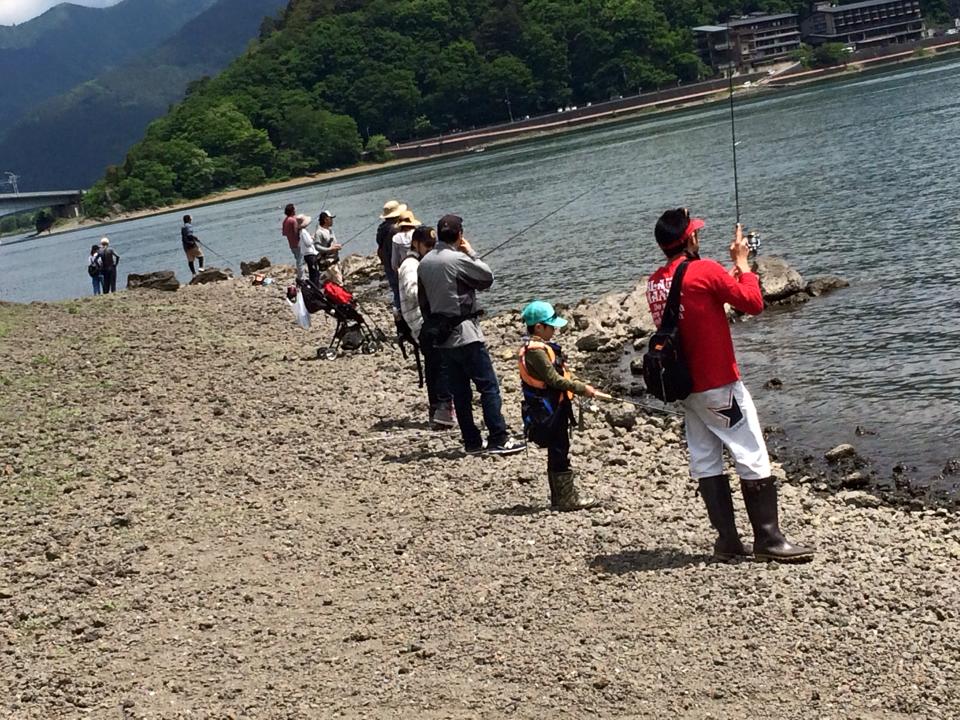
<point>541,312</point>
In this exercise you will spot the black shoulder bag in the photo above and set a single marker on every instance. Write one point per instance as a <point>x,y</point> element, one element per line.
<point>665,370</point>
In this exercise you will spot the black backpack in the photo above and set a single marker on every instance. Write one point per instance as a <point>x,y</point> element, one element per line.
<point>665,370</point>
<point>94,267</point>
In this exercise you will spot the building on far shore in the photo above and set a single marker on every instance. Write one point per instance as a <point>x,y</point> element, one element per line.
<point>750,41</point>
<point>862,24</point>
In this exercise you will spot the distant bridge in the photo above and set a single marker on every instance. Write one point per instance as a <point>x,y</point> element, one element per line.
<point>65,203</point>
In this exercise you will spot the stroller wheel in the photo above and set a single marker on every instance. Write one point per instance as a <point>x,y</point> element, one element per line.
<point>368,347</point>
<point>326,354</point>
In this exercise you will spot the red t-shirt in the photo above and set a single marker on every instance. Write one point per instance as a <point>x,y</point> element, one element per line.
<point>704,328</point>
<point>291,231</point>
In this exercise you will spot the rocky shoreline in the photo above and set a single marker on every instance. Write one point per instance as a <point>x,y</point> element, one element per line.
<point>203,520</point>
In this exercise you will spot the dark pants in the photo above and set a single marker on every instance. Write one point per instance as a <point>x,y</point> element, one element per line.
<point>435,376</point>
<point>471,363</point>
<point>558,451</point>
<point>313,269</point>
<point>109,280</point>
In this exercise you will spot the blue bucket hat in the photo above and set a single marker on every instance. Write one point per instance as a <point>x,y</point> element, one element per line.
<point>541,312</point>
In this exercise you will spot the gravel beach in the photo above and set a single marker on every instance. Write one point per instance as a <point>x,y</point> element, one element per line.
<point>202,520</point>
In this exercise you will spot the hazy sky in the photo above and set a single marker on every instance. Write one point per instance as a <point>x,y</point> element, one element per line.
<point>17,11</point>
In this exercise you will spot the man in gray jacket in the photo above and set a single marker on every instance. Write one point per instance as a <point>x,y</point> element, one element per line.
<point>448,279</point>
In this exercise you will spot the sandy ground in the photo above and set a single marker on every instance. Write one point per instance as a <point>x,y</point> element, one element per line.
<point>201,520</point>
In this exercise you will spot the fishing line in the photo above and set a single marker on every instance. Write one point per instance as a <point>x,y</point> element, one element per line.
<point>323,203</point>
<point>733,132</point>
<point>534,224</point>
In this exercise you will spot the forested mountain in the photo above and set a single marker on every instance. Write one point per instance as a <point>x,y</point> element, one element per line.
<point>331,74</point>
<point>68,141</point>
<point>70,44</point>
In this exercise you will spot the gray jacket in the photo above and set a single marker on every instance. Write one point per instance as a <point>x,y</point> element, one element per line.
<point>448,281</point>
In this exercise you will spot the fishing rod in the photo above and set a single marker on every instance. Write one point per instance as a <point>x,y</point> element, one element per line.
<point>733,135</point>
<point>323,203</point>
<point>607,396</point>
<point>358,234</point>
<point>535,223</point>
<point>203,244</point>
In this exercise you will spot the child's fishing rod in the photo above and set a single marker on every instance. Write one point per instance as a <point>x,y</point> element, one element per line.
<point>203,244</point>
<point>534,224</point>
<point>654,408</point>
<point>323,203</point>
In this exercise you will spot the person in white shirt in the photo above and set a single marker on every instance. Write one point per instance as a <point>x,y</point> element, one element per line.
<point>328,250</point>
<point>308,250</point>
<point>406,224</point>
<point>422,241</point>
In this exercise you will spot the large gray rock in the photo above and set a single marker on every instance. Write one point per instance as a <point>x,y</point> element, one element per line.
<point>777,279</point>
<point>160,280</point>
<point>250,267</point>
<point>209,275</point>
<point>361,267</point>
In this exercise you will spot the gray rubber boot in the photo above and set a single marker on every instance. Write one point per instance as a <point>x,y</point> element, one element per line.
<point>715,491</point>
<point>568,497</point>
<point>760,497</point>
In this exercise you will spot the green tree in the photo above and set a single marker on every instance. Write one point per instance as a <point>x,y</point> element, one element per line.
<point>377,149</point>
<point>830,54</point>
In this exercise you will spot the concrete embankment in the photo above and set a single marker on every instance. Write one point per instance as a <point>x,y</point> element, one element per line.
<point>200,519</point>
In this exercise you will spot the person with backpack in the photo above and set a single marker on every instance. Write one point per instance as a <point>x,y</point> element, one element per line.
<point>191,245</point>
<point>548,388</point>
<point>108,263</point>
<point>94,269</point>
<point>719,412</point>
<point>441,413</point>
<point>448,278</point>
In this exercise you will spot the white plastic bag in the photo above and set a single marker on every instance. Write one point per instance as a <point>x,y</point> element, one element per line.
<point>299,310</point>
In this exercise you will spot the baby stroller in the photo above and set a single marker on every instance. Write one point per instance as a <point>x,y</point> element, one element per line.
<point>352,332</point>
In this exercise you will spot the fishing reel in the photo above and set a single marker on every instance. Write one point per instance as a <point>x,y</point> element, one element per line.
<point>753,243</point>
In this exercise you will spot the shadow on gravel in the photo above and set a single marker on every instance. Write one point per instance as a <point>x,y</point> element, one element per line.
<point>449,453</point>
<point>630,561</point>
<point>399,424</point>
<point>517,510</point>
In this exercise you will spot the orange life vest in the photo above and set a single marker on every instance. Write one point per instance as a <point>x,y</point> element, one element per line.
<point>533,383</point>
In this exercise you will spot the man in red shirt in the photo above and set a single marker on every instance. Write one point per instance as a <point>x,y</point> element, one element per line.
<point>291,231</point>
<point>719,410</point>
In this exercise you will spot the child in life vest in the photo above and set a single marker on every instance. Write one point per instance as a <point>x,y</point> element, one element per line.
<point>548,388</point>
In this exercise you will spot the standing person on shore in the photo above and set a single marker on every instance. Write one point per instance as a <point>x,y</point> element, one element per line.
<point>719,410</point>
<point>94,268</point>
<point>328,250</point>
<point>291,231</point>
<point>400,242</point>
<point>439,400</point>
<point>108,262</point>
<point>548,389</point>
<point>449,278</point>
<point>191,245</point>
<point>385,231</point>
<point>308,250</point>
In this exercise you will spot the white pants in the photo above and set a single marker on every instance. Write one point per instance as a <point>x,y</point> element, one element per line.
<point>725,417</point>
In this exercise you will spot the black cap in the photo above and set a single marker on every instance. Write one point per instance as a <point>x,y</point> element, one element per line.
<point>449,227</point>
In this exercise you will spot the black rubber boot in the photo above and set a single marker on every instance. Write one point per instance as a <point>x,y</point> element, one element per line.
<point>568,498</point>
<point>760,497</point>
<point>715,491</point>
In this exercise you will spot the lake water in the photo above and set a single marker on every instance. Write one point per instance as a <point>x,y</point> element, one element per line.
<point>856,178</point>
